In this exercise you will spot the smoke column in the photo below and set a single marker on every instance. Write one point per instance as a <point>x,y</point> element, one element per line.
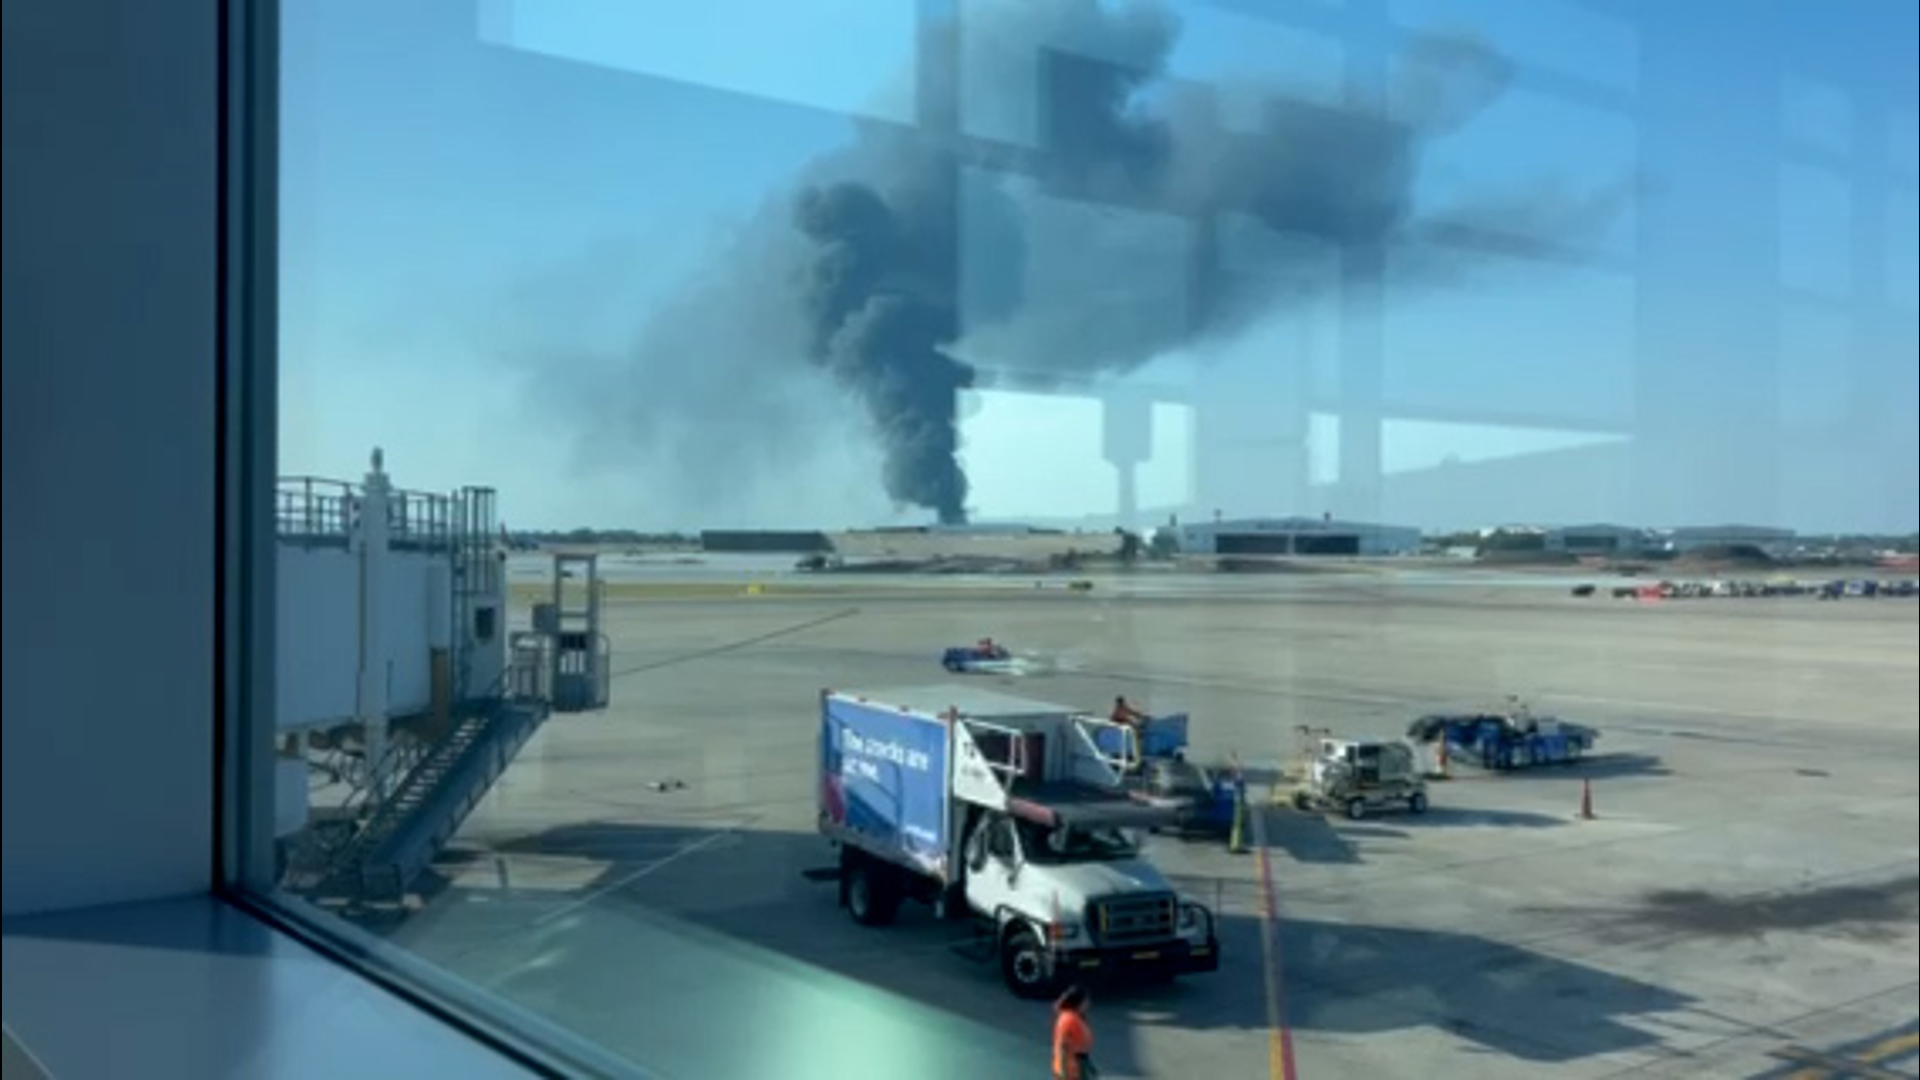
<point>882,304</point>
<point>865,252</point>
<point>880,289</point>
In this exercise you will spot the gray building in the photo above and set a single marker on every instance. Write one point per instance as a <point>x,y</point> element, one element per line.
<point>1692,538</point>
<point>1597,539</point>
<point>1297,536</point>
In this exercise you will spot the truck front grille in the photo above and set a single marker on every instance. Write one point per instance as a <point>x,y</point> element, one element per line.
<point>1129,920</point>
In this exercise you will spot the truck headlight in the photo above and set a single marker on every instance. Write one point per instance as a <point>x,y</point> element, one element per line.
<point>1066,933</point>
<point>1192,917</point>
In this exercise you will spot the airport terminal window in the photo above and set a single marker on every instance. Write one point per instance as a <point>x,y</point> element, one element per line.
<point>756,418</point>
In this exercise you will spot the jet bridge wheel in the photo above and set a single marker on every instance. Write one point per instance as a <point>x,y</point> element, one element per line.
<point>871,894</point>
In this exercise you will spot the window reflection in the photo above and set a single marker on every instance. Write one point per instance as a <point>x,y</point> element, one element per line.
<point>1269,366</point>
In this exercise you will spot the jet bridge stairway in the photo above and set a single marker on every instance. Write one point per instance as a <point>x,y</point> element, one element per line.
<point>429,803</point>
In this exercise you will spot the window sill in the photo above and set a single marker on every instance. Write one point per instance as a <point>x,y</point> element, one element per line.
<point>195,987</point>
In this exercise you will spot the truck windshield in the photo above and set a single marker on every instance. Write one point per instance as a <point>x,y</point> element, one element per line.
<point>1070,844</point>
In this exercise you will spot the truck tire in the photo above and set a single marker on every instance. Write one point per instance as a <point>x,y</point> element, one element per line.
<point>1024,965</point>
<point>872,898</point>
<point>1356,808</point>
<point>1418,803</point>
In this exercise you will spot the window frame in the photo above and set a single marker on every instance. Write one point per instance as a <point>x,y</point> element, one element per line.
<point>244,732</point>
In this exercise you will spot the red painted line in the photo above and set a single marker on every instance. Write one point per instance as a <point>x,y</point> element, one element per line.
<point>1280,1063</point>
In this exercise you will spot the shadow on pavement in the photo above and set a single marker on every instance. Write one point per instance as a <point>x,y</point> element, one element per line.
<point>1871,911</point>
<point>1307,837</point>
<point>1443,816</point>
<point>1599,767</point>
<point>743,896</point>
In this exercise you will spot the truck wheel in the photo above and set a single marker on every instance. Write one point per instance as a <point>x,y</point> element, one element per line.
<point>1024,966</point>
<point>1356,808</point>
<point>871,898</point>
<point>1301,802</point>
<point>1418,803</point>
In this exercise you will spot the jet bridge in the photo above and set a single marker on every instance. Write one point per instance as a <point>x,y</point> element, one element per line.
<point>404,696</point>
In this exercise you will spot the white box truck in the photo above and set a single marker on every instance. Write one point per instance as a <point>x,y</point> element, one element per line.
<point>1014,813</point>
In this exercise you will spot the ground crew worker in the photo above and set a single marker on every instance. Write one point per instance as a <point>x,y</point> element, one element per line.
<point>1072,1038</point>
<point>1124,713</point>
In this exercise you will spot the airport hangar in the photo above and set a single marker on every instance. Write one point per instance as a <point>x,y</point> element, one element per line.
<point>1298,536</point>
<point>1598,539</point>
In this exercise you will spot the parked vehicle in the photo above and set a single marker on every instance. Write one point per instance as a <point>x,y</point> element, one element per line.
<point>1512,739</point>
<point>1009,812</point>
<point>1203,799</point>
<point>1358,776</point>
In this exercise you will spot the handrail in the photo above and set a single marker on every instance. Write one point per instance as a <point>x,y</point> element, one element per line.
<point>1016,764</point>
<point>1130,754</point>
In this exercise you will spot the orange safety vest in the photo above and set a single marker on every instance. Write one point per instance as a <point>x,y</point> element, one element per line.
<point>1071,1039</point>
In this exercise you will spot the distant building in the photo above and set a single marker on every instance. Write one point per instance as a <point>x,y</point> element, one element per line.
<point>1596,539</point>
<point>1692,538</point>
<point>1297,536</point>
<point>765,541</point>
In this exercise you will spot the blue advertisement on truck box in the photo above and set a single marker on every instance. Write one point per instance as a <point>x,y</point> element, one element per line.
<point>884,776</point>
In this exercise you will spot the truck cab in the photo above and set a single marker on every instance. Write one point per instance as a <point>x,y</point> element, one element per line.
<point>1079,899</point>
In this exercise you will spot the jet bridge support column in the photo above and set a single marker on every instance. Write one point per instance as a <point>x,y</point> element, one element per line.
<point>369,528</point>
<point>580,678</point>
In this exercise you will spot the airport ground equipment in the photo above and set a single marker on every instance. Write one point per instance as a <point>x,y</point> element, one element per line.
<point>1203,799</point>
<point>403,693</point>
<point>1008,812</point>
<point>1356,777</point>
<point>984,656</point>
<point>1513,738</point>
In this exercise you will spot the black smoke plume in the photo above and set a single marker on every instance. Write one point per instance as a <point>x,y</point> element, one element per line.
<point>882,305</point>
<point>916,244</point>
<point>880,287</point>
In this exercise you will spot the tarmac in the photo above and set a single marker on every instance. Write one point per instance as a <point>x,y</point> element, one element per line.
<point>1743,901</point>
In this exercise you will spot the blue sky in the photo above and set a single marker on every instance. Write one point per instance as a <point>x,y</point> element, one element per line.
<point>486,203</point>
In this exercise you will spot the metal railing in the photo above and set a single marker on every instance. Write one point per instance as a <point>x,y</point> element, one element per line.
<point>314,508</point>
<point>308,506</point>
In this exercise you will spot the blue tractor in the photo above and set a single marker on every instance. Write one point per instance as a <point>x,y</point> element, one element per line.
<point>985,655</point>
<point>1513,739</point>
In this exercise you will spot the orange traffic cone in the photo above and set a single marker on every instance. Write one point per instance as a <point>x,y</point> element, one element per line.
<point>1586,800</point>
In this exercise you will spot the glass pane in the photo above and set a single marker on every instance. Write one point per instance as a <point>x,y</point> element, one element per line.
<point>808,433</point>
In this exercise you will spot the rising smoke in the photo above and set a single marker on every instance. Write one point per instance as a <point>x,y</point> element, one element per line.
<point>870,248</point>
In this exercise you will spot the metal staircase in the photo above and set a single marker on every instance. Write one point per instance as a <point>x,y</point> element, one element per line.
<point>435,797</point>
<point>380,858</point>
